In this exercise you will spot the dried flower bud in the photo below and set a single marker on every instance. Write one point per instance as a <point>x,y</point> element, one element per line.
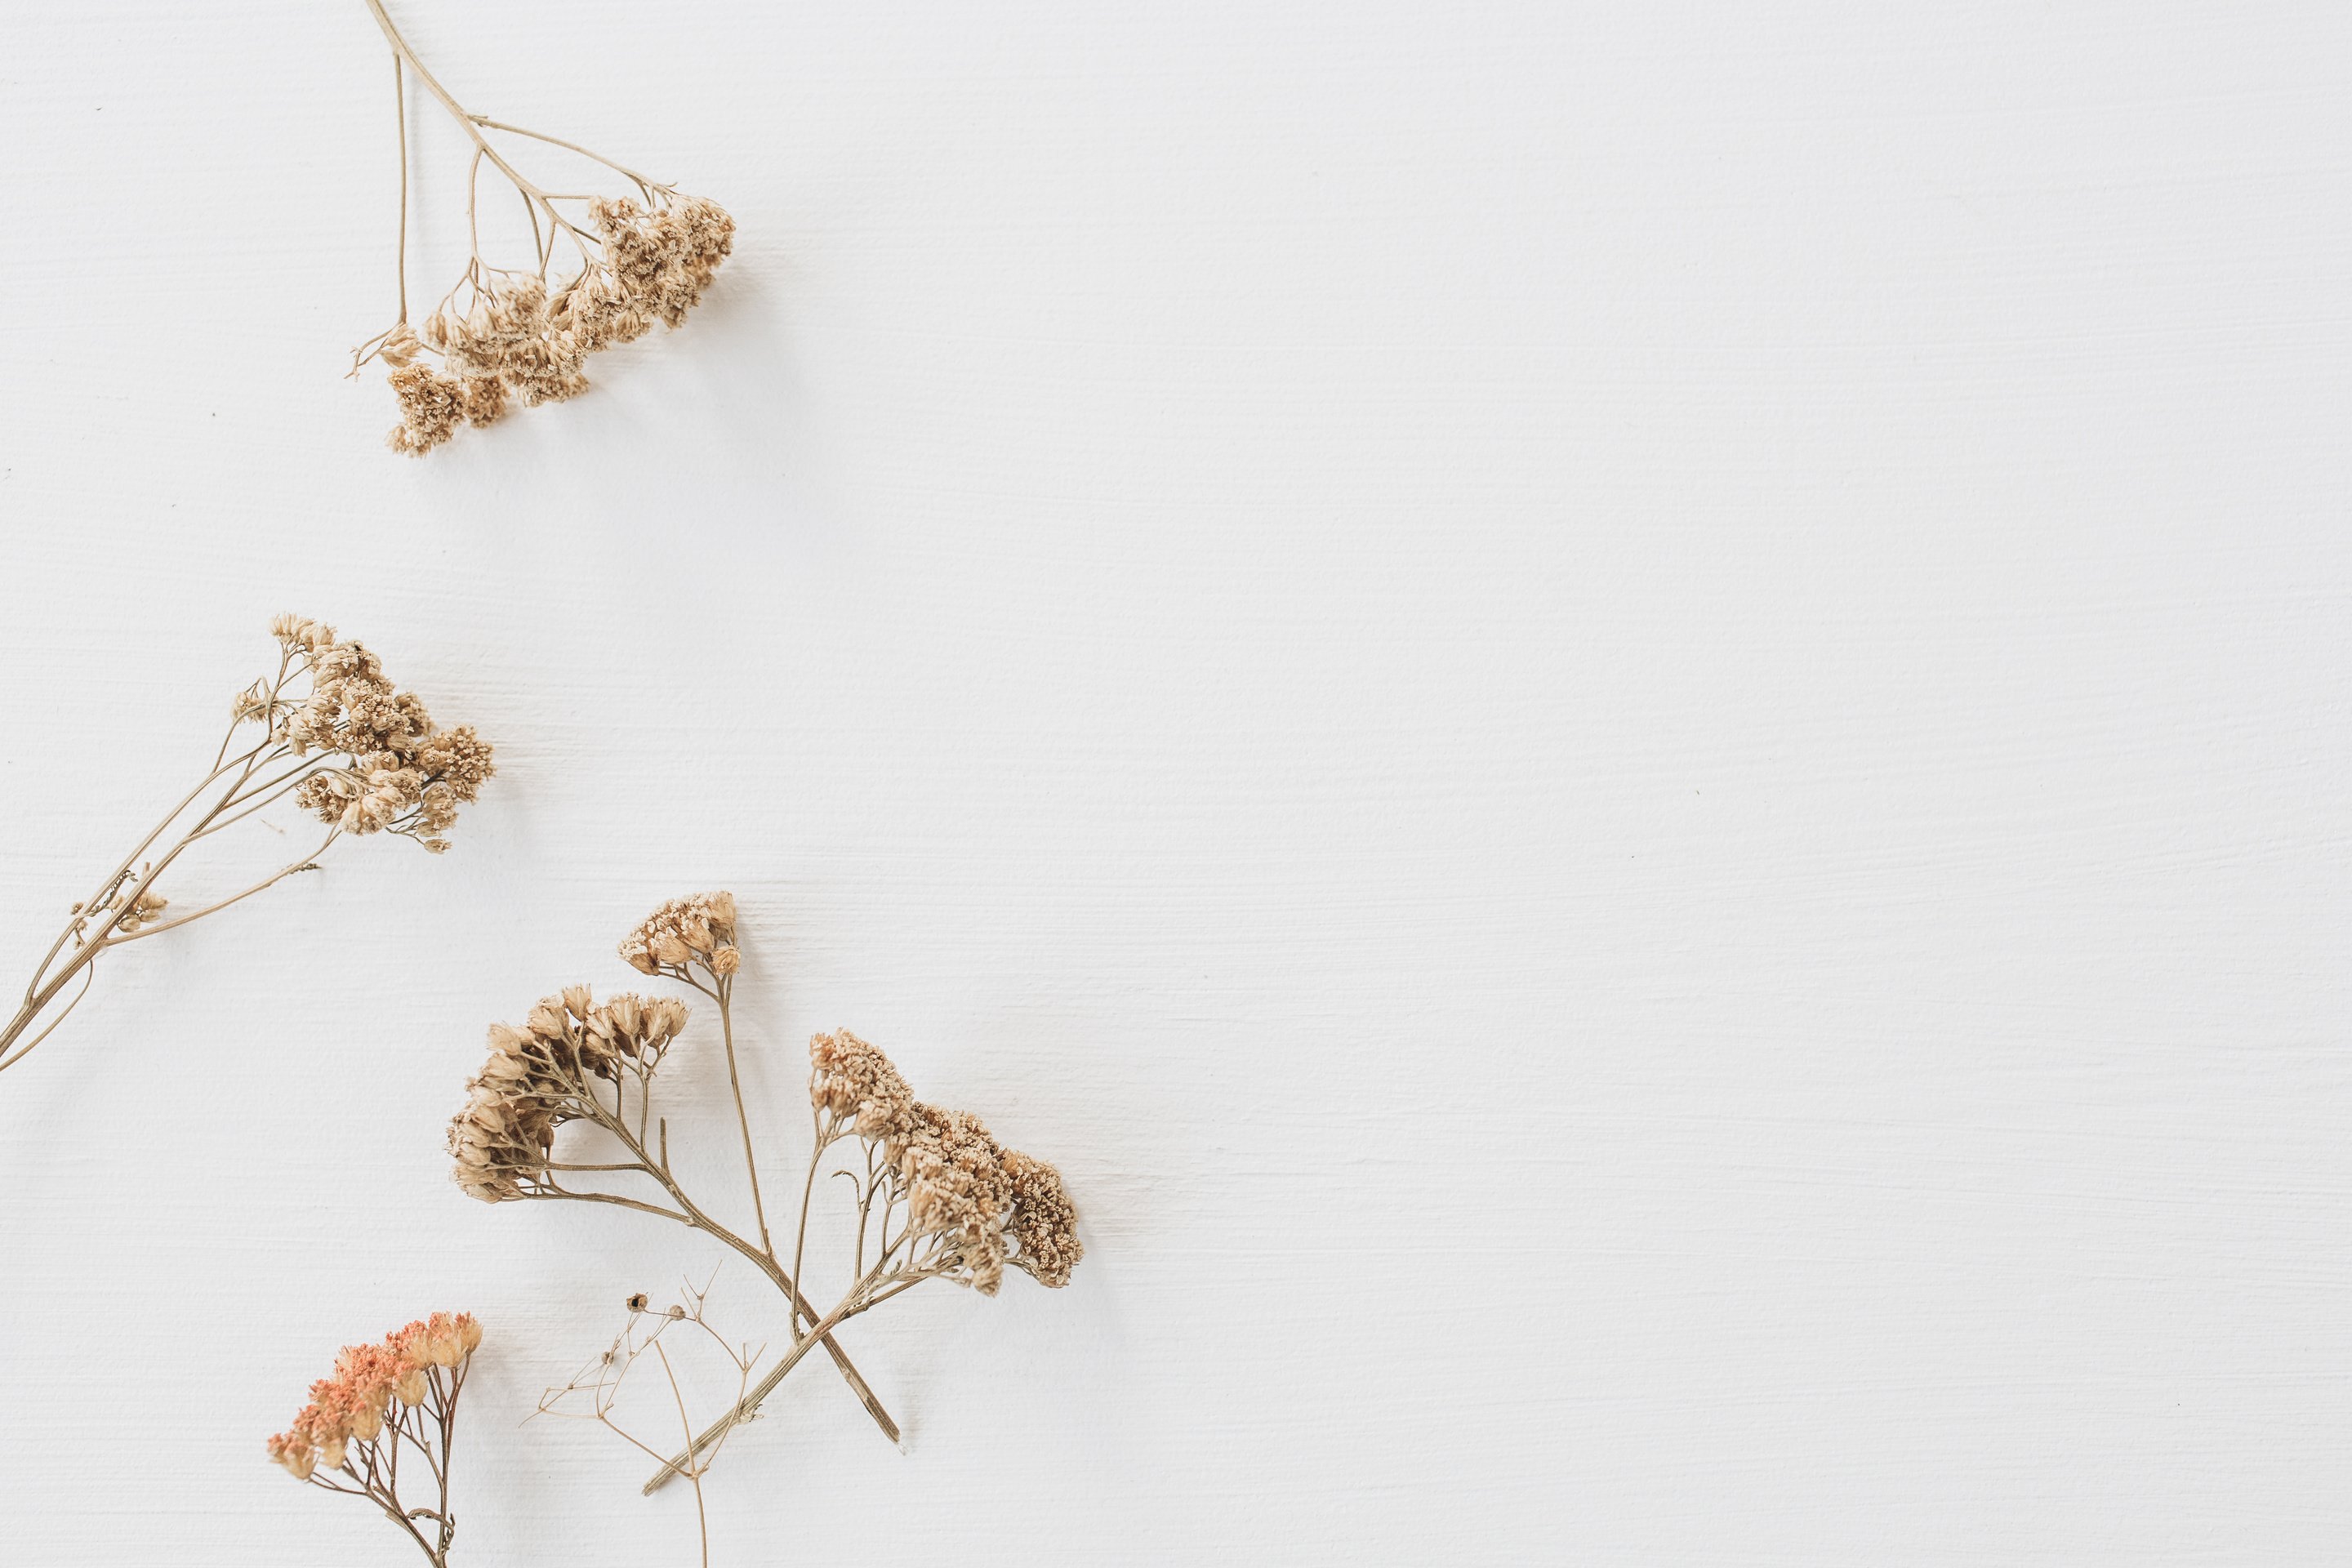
<point>725,962</point>
<point>294,1454</point>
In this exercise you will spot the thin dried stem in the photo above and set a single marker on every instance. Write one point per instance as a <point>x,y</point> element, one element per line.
<point>598,1386</point>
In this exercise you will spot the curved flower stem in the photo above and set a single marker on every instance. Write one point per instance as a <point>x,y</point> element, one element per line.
<point>400,114</point>
<point>749,1404</point>
<point>126,892</point>
<point>307,863</point>
<point>470,124</point>
<point>690,1214</point>
<point>642,181</point>
<point>742,1120</point>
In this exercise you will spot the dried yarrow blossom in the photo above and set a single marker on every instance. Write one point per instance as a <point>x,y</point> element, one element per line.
<point>328,734</point>
<point>933,1194</point>
<point>384,1398</point>
<point>503,336</point>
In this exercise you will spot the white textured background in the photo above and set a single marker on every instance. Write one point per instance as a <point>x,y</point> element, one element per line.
<point>1627,724</point>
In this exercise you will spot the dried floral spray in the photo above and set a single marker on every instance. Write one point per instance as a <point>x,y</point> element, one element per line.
<point>508,335</point>
<point>401,1393</point>
<point>935,1197</point>
<point>336,738</point>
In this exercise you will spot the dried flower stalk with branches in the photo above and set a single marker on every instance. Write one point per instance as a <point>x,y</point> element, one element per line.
<point>336,738</point>
<point>593,1393</point>
<point>401,1393</point>
<point>506,335</point>
<point>934,1196</point>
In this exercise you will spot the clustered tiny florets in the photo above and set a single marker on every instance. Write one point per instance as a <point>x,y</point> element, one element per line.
<point>349,1407</point>
<point>407,776</point>
<point>698,929</point>
<point>513,341</point>
<point>535,1075</point>
<point>989,1205</point>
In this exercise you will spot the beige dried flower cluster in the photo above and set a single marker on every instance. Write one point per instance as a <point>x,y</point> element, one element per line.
<point>335,739</point>
<point>984,1204</point>
<point>507,336</point>
<point>503,1137</point>
<point>934,1194</point>
<point>384,1398</point>
<point>404,774</point>
<point>696,930</point>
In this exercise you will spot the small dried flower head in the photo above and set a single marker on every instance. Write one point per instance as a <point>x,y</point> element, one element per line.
<point>402,773</point>
<point>1045,1226</point>
<point>350,1407</point>
<point>698,928</point>
<point>295,1453</point>
<point>986,1204</point>
<point>855,1083</point>
<point>512,341</point>
<point>430,405</point>
<point>399,346</point>
<point>636,1303</point>
<point>537,1078</point>
<point>142,911</point>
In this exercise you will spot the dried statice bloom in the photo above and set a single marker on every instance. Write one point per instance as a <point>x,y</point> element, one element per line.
<point>507,335</point>
<point>405,775</point>
<point>329,733</point>
<point>1044,1225</point>
<point>985,1204</point>
<point>856,1084</point>
<point>546,1073</point>
<point>699,929</point>
<point>664,259</point>
<point>402,1391</point>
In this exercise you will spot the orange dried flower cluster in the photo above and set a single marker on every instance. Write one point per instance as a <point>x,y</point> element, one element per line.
<point>351,1407</point>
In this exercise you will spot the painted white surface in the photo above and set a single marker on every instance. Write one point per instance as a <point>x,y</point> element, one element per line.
<point>1626,723</point>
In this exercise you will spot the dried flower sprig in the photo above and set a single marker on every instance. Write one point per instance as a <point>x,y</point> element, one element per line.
<point>935,1197</point>
<point>593,1392</point>
<point>383,1397</point>
<point>508,335</point>
<point>334,736</point>
<point>574,1054</point>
